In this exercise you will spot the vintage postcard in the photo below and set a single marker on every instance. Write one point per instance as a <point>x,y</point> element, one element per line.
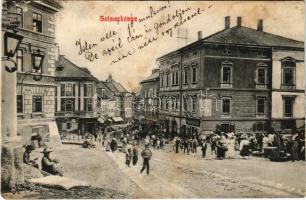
<point>152,99</point>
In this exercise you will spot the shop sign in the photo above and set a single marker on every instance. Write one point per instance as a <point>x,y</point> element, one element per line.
<point>193,122</point>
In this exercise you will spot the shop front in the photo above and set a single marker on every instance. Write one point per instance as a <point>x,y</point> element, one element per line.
<point>88,125</point>
<point>192,127</point>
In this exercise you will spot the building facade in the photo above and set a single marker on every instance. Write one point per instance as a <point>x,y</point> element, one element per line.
<point>288,88</point>
<point>114,100</point>
<point>36,88</point>
<point>75,98</point>
<point>230,81</point>
<point>149,92</point>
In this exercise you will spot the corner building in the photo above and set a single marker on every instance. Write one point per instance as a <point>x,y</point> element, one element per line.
<point>236,79</point>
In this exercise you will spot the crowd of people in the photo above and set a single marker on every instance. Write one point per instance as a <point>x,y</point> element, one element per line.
<point>274,145</point>
<point>191,145</point>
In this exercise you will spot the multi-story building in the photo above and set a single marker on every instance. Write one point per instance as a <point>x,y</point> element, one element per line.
<point>288,87</point>
<point>36,88</point>
<point>114,100</point>
<point>75,98</point>
<point>237,78</point>
<point>149,92</point>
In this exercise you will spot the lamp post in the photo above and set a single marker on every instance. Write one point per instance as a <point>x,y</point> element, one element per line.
<point>11,147</point>
<point>11,144</point>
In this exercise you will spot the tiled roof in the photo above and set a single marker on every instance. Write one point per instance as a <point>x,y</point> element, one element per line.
<point>249,36</point>
<point>67,69</point>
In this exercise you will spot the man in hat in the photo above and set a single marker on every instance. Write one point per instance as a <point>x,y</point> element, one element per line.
<point>26,156</point>
<point>49,165</point>
<point>146,154</point>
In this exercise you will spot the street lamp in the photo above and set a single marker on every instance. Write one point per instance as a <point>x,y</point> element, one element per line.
<point>37,60</point>
<point>11,44</point>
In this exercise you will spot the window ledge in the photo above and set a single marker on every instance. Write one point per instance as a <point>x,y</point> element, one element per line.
<point>288,87</point>
<point>226,85</point>
<point>38,114</point>
<point>260,115</point>
<point>261,86</point>
<point>226,116</point>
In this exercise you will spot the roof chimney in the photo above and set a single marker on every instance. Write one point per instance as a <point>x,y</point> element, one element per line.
<point>260,25</point>
<point>239,21</point>
<point>227,22</point>
<point>199,35</point>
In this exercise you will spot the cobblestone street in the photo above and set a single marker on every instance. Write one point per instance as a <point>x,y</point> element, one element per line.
<point>184,176</point>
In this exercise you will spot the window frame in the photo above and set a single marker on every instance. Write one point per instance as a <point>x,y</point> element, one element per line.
<point>161,79</point>
<point>257,105</point>
<point>21,15</point>
<point>36,20</point>
<point>230,106</point>
<point>185,103</point>
<point>186,73</point>
<point>194,74</point>
<point>65,90</point>
<point>86,104</point>
<point>292,100</point>
<point>193,103</point>
<point>227,64</point>
<point>18,105</point>
<point>293,76</point>
<point>262,66</point>
<point>284,67</point>
<point>34,102</point>
<point>88,90</point>
<point>64,104</point>
<point>20,58</point>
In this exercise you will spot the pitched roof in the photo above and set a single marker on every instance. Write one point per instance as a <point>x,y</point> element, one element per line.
<point>249,36</point>
<point>240,35</point>
<point>152,77</point>
<point>115,86</point>
<point>67,69</point>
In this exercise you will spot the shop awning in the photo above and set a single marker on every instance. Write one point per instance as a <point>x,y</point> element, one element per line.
<point>117,119</point>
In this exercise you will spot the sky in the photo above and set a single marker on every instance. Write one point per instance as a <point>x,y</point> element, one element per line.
<point>80,21</point>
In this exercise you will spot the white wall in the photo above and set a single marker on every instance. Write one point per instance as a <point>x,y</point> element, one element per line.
<point>277,56</point>
<point>277,105</point>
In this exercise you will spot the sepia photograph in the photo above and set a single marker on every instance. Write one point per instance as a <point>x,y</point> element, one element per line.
<point>152,99</point>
